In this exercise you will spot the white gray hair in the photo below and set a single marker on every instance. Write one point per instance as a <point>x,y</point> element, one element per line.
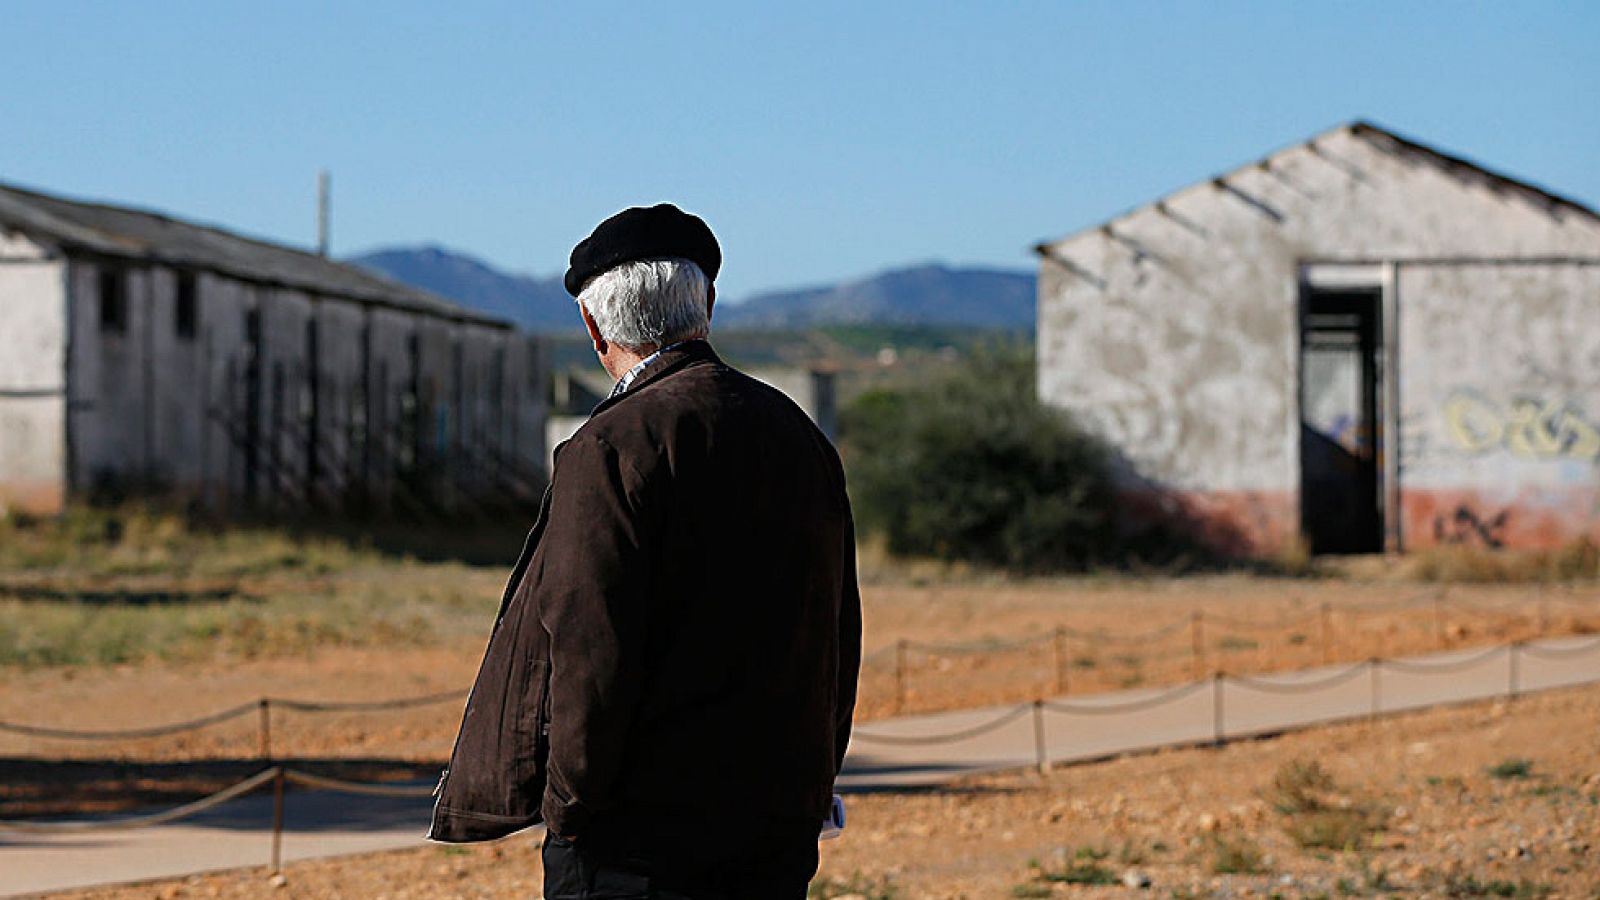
<point>649,302</point>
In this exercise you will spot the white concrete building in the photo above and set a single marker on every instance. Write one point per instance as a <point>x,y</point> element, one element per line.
<point>145,353</point>
<point>1358,340</point>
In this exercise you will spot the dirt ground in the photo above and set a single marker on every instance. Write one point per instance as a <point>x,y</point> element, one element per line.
<point>1487,800</point>
<point>1119,633</point>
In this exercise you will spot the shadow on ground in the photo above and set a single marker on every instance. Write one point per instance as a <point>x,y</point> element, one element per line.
<point>34,788</point>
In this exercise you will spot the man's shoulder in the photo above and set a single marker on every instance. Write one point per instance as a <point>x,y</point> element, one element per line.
<point>706,395</point>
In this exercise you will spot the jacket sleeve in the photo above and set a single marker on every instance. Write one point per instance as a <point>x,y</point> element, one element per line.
<point>849,644</point>
<point>594,603</point>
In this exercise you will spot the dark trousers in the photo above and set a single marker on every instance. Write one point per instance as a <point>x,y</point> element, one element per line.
<point>777,866</point>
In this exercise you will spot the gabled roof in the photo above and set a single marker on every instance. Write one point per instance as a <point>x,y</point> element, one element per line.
<point>137,235</point>
<point>1390,142</point>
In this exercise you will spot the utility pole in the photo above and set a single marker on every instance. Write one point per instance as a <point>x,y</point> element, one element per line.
<point>324,200</point>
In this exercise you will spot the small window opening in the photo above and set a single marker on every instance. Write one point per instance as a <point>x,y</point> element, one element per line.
<point>186,312</point>
<point>113,301</point>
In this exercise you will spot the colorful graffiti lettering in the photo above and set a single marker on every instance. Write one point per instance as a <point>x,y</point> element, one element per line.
<point>1531,429</point>
<point>1465,526</point>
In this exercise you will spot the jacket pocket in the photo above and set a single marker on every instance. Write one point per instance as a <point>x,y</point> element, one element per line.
<point>497,771</point>
<point>532,737</point>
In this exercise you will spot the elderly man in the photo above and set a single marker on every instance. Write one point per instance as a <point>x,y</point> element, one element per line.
<point>670,680</point>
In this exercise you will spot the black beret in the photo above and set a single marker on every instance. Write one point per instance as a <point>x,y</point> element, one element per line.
<point>642,232</point>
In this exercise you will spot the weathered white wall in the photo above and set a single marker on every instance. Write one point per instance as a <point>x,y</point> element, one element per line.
<point>1173,331</point>
<point>33,327</point>
<point>1500,403</point>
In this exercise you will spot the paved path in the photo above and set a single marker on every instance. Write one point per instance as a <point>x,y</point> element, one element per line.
<point>887,754</point>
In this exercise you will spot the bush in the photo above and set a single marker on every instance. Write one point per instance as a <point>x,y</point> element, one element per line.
<point>1236,857</point>
<point>971,467</point>
<point>1516,767</point>
<point>1319,814</point>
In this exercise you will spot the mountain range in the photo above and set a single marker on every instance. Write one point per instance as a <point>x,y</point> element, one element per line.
<point>927,294</point>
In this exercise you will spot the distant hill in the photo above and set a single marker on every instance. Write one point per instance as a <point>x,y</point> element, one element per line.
<point>921,295</point>
<point>536,304</point>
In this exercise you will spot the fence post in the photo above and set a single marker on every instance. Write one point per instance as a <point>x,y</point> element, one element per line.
<point>1039,752</point>
<point>1373,667</point>
<point>1199,649</point>
<point>1218,729</point>
<point>1060,648</point>
<point>1544,617</point>
<point>1513,670</point>
<point>900,675</point>
<point>277,820</point>
<point>265,730</point>
<point>1327,633</point>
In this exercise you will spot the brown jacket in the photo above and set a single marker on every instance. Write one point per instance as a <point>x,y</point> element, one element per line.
<point>677,649</point>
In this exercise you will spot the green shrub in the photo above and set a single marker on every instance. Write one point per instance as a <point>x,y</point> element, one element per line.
<point>1515,767</point>
<point>971,467</point>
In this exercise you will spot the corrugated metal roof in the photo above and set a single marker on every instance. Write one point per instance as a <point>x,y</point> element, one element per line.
<point>132,234</point>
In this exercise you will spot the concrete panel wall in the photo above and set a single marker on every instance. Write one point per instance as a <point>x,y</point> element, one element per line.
<point>1173,331</point>
<point>177,391</point>
<point>111,379</point>
<point>224,308</point>
<point>1500,404</point>
<point>33,326</point>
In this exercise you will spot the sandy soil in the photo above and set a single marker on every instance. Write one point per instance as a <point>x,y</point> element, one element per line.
<point>1120,633</point>
<point>1478,801</point>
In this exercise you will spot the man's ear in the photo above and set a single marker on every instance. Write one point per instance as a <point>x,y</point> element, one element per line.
<point>593,328</point>
<point>711,300</point>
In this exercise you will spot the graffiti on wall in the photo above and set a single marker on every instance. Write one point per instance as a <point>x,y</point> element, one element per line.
<point>1467,526</point>
<point>1529,429</point>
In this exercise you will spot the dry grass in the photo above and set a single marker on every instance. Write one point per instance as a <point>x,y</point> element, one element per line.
<point>110,587</point>
<point>1578,561</point>
<point>1320,814</point>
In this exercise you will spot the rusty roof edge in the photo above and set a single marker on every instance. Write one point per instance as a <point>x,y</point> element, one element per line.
<point>1365,129</point>
<point>100,242</point>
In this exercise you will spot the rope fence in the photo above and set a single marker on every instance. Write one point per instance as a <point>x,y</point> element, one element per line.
<point>1371,668</point>
<point>261,706</point>
<point>1205,647</point>
<point>278,776</point>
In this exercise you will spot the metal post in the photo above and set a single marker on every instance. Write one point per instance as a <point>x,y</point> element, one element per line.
<point>1327,633</point>
<point>1513,670</point>
<point>324,218</point>
<point>264,709</point>
<point>900,675</point>
<point>277,820</point>
<point>1060,649</point>
<point>1217,728</point>
<point>1040,755</point>
<point>1199,645</point>
<point>1376,705</point>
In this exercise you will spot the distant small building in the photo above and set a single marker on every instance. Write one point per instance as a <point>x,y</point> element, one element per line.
<point>1357,340</point>
<point>575,393</point>
<point>147,353</point>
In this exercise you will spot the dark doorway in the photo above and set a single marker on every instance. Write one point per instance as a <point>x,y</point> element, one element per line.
<point>1341,433</point>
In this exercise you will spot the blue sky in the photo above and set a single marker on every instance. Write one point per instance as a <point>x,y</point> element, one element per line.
<point>821,140</point>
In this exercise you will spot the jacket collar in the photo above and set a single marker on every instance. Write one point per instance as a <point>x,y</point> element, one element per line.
<point>668,361</point>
